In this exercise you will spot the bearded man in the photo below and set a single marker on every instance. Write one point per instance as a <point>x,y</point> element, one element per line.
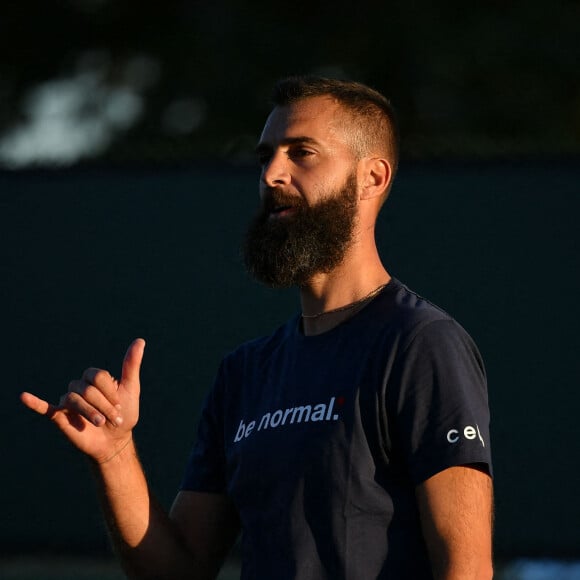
<point>351,443</point>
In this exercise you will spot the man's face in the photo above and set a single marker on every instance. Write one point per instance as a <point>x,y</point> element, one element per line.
<point>309,239</point>
<point>309,195</point>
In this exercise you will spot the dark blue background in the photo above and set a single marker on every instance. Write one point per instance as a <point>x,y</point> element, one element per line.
<point>92,258</point>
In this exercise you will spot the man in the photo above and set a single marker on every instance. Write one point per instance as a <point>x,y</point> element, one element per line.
<point>351,443</point>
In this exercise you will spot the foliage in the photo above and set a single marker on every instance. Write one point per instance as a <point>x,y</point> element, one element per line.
<point>171,81</point>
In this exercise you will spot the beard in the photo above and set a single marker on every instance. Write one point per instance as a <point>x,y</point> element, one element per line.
<point>287,251</point>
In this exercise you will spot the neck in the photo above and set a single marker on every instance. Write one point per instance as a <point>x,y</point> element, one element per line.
<point>330,298</point>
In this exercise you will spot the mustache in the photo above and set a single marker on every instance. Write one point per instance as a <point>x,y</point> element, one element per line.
<point>275,198</point>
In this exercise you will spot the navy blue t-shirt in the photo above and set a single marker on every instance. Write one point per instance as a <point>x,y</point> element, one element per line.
<point>320,440</point>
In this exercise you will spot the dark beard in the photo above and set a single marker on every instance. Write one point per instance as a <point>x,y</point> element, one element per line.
<point>288,251</point>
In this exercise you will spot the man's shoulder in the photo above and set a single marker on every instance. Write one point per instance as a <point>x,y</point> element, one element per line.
<point>408,315</point>
<point>400,306</point>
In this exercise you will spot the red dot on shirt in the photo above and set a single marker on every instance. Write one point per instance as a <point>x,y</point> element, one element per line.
<point>340,401</point>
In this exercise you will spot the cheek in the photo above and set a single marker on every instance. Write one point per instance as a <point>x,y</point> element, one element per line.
<point>322,181</point>
<point>312,190</point>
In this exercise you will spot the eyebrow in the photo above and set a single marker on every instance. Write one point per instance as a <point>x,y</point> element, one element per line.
<point>264,147</point>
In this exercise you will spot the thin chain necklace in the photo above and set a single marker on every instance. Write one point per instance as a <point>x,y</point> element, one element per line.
<point>352,306</point>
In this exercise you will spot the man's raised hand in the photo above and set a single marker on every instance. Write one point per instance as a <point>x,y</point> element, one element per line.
<point>98,412</point>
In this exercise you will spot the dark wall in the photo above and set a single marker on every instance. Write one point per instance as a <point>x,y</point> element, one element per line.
<point>92,258</point>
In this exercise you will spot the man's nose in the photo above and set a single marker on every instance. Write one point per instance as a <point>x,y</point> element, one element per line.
<point>276,171</point>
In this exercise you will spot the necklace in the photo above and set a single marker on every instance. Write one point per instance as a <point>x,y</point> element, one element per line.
<point>352,306</point>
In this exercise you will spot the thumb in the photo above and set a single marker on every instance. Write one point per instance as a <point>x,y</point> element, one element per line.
<point>132,362</point>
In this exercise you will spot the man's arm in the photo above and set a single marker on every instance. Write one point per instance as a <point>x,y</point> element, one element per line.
<point>98,415</point>
<point>208,524</point>
<point>190,543</point>
<point>456,509</point>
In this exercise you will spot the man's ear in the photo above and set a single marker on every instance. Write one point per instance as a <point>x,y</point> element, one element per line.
<point>375,177</point>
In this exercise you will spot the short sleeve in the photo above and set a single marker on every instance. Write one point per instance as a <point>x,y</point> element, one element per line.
<point>440,403</point>
<point>205,469</point>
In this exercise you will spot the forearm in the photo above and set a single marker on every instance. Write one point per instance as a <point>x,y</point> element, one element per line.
<point>143,536</point>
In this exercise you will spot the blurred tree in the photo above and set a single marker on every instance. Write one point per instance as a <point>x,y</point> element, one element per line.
<point>172,81</point>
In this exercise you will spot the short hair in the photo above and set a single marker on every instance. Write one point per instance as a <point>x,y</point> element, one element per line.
<point>374,128</point>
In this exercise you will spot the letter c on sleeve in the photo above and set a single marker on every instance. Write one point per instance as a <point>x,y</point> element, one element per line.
<point>453,436</point>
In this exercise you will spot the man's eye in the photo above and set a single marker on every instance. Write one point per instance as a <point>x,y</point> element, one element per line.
<point>264,158</point>
<point>300,153</point>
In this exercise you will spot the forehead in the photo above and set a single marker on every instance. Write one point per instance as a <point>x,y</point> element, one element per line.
<point>315,117</point>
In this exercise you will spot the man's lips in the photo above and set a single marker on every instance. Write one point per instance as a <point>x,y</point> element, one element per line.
<point>278,204</point>
<point>281,211</point>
